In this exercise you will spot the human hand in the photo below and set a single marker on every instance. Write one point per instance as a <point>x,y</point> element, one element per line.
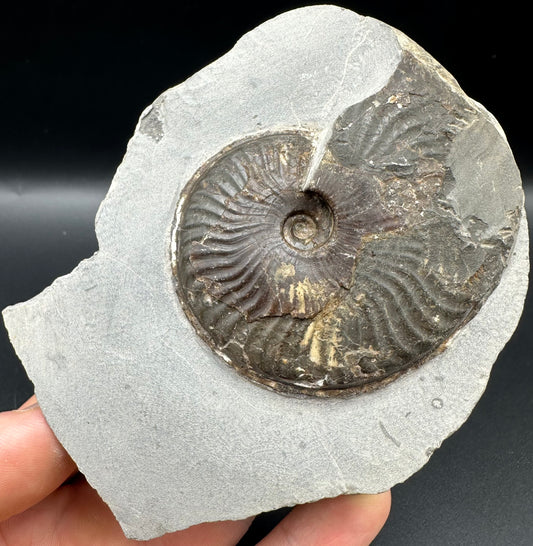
<point>44,501</point>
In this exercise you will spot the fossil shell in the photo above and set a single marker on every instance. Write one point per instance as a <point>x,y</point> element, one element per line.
<point>330,261</point>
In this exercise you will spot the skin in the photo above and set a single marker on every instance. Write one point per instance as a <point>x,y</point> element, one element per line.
<point>45,501</point>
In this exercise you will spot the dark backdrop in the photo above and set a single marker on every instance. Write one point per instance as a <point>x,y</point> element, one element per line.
<point>74,77</point>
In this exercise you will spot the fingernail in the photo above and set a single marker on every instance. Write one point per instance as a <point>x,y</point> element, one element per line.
<point>29,408</point>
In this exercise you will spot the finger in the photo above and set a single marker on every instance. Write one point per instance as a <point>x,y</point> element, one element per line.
<point>352,520</point>
<point>75,514</point>
<point>32,462</point>
<point>29,403</point>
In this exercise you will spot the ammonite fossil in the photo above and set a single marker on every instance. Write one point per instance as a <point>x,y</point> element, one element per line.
<point>330,261</point>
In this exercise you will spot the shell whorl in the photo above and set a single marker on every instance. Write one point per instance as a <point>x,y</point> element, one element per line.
<point>338,280</point>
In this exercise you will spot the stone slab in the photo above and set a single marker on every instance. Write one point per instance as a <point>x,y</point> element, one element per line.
<point>139,400</point>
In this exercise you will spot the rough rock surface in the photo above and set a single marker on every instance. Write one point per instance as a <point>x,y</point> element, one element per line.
<point>138,398</point>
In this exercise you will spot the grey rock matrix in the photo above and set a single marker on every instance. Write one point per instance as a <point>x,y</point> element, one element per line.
<point>396,203</point>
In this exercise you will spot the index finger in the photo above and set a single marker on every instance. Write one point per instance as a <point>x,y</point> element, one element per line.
<point>32,461</point>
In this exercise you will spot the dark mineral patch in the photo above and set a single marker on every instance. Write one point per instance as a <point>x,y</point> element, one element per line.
<point>151,124</point>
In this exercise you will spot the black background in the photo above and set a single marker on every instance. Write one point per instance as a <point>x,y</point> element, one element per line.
<point>74,78</point>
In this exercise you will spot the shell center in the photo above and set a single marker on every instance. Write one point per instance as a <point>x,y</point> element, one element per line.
<point>303,228</point>
<point>309,225</point>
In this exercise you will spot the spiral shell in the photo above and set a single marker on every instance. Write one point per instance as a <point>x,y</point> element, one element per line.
<point>332,269</point>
